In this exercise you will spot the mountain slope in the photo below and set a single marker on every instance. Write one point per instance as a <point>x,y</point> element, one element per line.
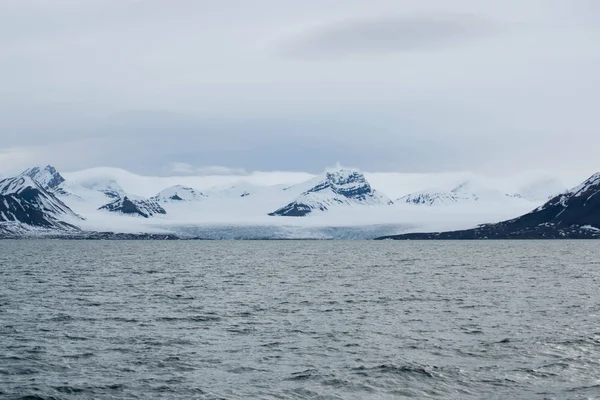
<point>24,201</point>
<point>541,190</point>
<point>469,191</point>
<point>179,193</point>
<point>472,190</point>
<point>429,197</point>
<point>574,214</point>
<point>343,187</point>
<point>134,207</point>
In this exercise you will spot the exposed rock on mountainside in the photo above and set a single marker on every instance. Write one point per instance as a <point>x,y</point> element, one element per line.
<point>135,207</point>
<point>343,187</point>
<point>24,202</point>
<point>47,177</point>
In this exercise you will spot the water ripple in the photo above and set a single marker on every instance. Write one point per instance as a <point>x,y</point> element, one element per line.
<point>299,320</point>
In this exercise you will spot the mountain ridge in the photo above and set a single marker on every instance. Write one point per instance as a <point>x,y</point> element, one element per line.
<point>24,201</point>
<point>339,203</point>
<point>573,214</point>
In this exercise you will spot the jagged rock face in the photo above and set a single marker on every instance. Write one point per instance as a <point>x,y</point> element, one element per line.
<point>179,193</point>
<point>345,183</point>
<point>139,207</point>
<point>574,214</point>
<point>24,201</point>
<point>47,177</point>
<point>338,188</point>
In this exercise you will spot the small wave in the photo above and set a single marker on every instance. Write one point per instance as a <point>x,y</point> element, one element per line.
<point>396,370</point>
<point>243,370</point>
<point>193,318</point>
<point>62,318</point>
<point>72,337</point>
<point>78,356</point>
<point>69,389</point>
<point>304,375</point>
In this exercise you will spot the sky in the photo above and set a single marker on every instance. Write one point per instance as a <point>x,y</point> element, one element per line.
<point>198,87</point>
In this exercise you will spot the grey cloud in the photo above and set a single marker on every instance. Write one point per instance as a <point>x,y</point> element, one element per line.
<point>388,34</point>
<point>424,90</point>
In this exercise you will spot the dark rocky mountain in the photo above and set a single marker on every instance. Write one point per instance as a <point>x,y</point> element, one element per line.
<point>135,207</point>
<point>24,203</point>
<point>343,187</point>
<point>574,214</point>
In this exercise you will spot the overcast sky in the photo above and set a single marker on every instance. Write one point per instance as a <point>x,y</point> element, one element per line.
<point>195,86</point>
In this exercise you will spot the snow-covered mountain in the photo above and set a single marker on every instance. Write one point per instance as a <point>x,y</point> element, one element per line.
<point>472,190</point>
<point>573,214</point>
<point>340,188</point>
<point>179,193</point>
<point>110,188</point>
<point>23,201</point>
<point>47,177</point>
<point>134,207</point>
<point>430,197</point>
<point>580,205</point>
<point>469,191</point>
<point>242,207</point>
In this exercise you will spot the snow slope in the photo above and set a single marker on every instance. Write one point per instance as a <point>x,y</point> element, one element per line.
<point>429,197</point>
<point>179,193</point>
<point>470,191</point>
<point>148,186</point>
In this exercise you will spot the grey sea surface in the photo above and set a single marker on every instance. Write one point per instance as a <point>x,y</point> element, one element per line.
<point>299,320</point>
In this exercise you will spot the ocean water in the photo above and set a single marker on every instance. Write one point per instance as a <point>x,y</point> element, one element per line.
<point>299,320</point>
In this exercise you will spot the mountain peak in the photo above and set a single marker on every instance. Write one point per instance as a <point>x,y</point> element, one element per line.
<point>343,187</point>
<point>588,184</point>
<point>134,206</point>
<point>48,177</point>
<point>345,176</point>
<point>24,201</point>
<point>430,197</point>
<point>179,193</point>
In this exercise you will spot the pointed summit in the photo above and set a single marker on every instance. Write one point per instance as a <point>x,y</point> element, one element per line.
<point>47,177</point>
<point>343,187</point>
<point>179,193</point>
